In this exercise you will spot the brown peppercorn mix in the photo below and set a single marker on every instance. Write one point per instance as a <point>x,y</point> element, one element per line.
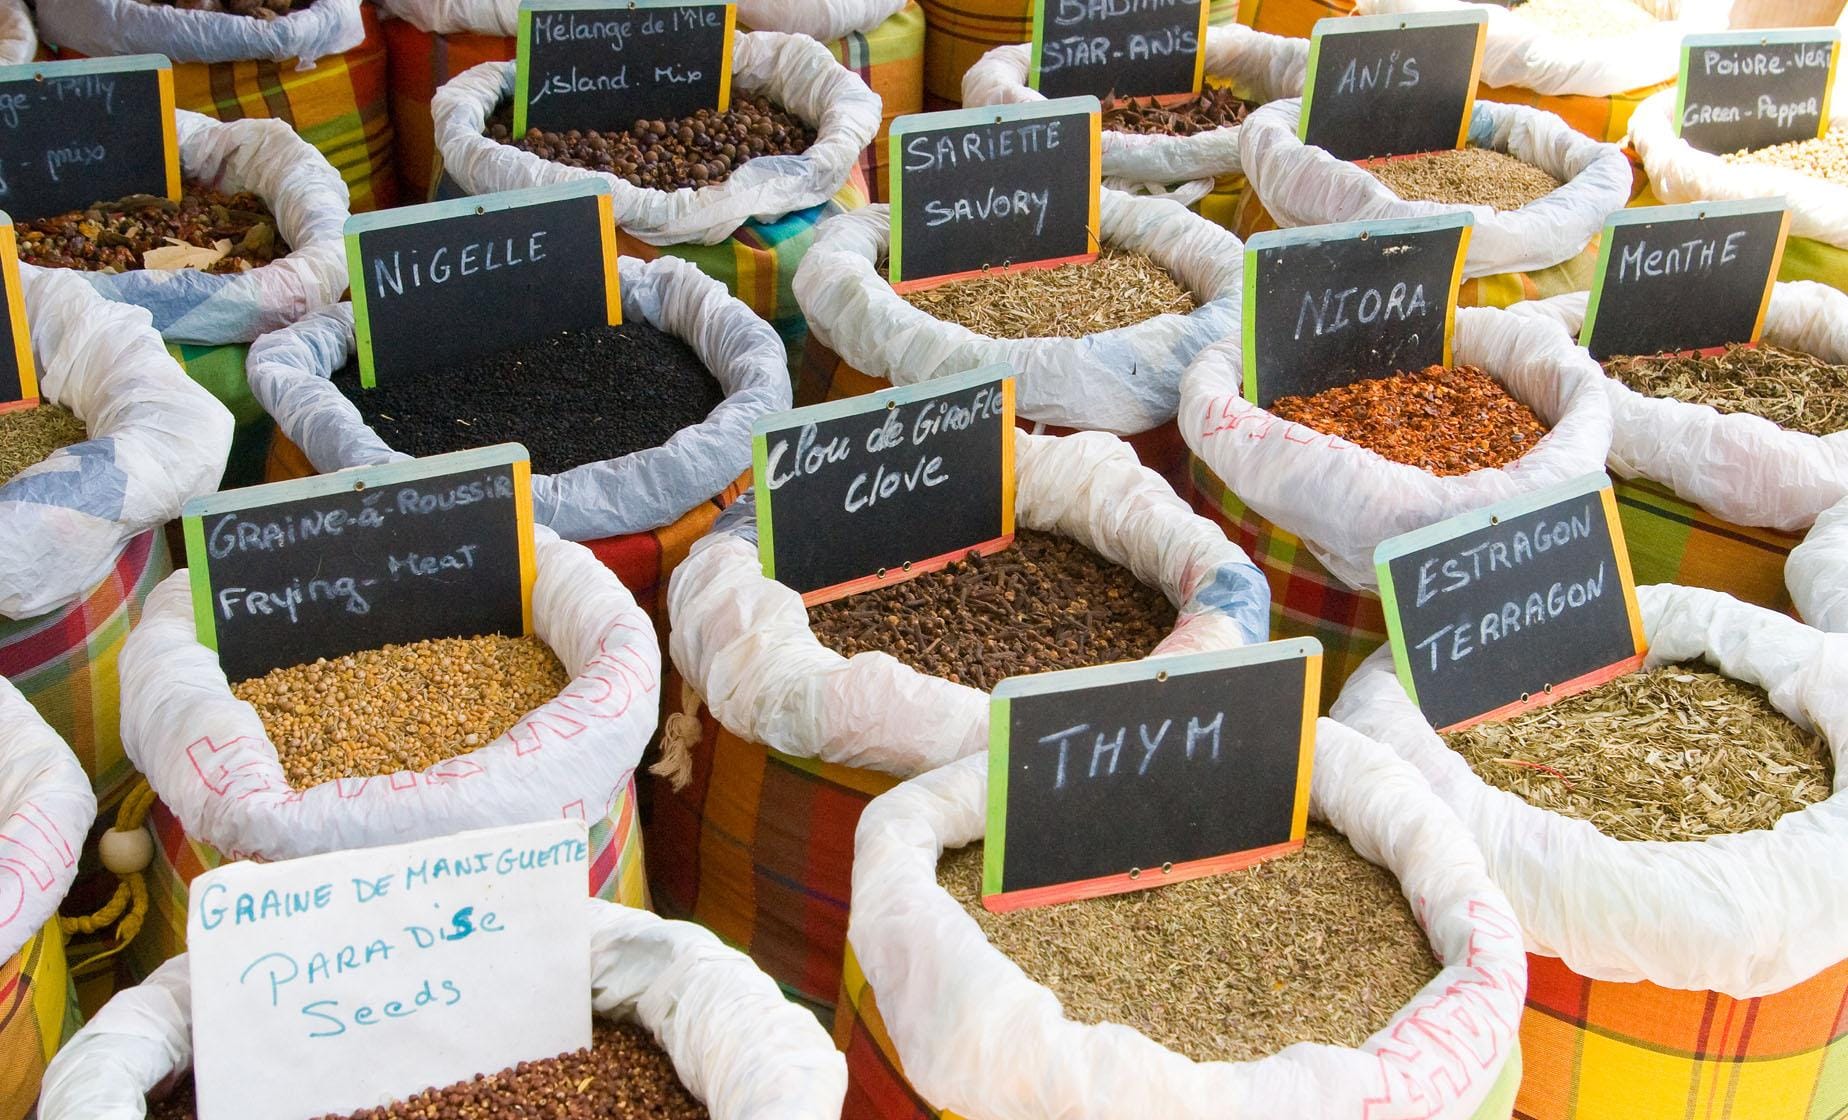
<point>1444,420</point>
<point>1045,603</point>
<point>697,151</point>
<point>399,707</point>
<point>256,9</point>
<point>114,236</point>
<point>1211,108</point>
<point>622,1075</point>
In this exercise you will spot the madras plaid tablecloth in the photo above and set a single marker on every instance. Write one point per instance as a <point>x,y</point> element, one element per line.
<point>877,1088</point>
<point>1601,118</point>
<point>1294,18</point>
<point>758,848</point>
<point>1307,600</point>
<point>890,59</point>
<point>64,662</point>
<point>219,370</point>
<point>1673,541</point>
<point>616,875</point>
<point>38,1013</point>
<point>1605,1051</point>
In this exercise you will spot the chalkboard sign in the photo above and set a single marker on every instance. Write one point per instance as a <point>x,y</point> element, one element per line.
<point>877,489</point>
<point>449,283</point>
<point>92,130</point>
<point>1131,50</point>
<point>1005,186</point>
<point>1331,305</point>
<point>1685,277</point>
<point>1513,605</point>
<point>1741,90</point>
<point>18,376</point>
<point>605,64</point>
<point>1135,775</point>
<point>1392,85</point>
<point>440,547</point>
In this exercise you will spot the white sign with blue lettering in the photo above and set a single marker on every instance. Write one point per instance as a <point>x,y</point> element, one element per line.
<point>344,981</point>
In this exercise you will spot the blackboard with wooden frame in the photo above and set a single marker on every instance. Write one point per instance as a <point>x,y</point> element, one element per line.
<point>960,161</point>
<point>18,369</point>
<point>1123,777</point>
<point>843,491</point>
<point>1392,85</point>
<point>423,282</point>
<point>1695,276</point>
<point>1512,606</point>
<point>1744,90</point>
<point>439,547</point>
<point>690,39</point>
<point>90,130</point>
<point>1127,50</point>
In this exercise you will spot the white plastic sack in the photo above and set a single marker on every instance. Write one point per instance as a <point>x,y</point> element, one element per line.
<point>948,998</point>
<point>208,758</point>
<point>1816,572</point>
<point>1519,53</point>
<point>736,1043</point>
<point>1740,467</point>
<point>743,643</point>
<point>115,27</point>
<point>644,490</point>
<point>46,809</point>
<point>310,203</point>
<point>155,440</point>
<point>1258,67</point>
<point>1680,172</point>
<point>18,38</point>
<point>818,19</point>
<point>1124,381</point>
<point>793,70</point>
<point>1302,185</point>
<point>1343,499</point>
<point>1746,915</point>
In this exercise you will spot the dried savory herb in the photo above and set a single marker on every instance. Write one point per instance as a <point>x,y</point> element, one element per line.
<point>1118,289</point>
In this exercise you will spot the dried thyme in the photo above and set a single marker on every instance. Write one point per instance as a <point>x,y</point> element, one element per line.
<point>1677,753</point>
<point>1118,289</point>
<point>1319,946</point>
<point>1792,390</point>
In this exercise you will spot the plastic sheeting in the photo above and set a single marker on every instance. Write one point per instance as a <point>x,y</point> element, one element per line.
<point>742,641</point>
<point>948,999</point>
<point>18,38</point>
<point>155,440</point>
<point>46,809</point>
<point>211,762</point>
<point>1748,914</point>
<point>1343,499</point>
<point>736,1043</point>
<point>1258,67</point>
<point>115,27</point>
<point>1123,381</point>
<point>795,71</point>
<point>310,203</point>
<point>1302,185</point>
<point>644,490</point>
<point>1522,53</point>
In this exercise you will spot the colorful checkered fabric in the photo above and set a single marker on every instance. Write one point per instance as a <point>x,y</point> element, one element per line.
<point>38,1013</point>
<point>1671,541</point>
<point>823,376</point>
<point>1602,118</point>
<point>64,662</point>
<point>219,370</point>
<point>1606,1051</point>
<point>1502,289</point>
<point>877,1088</point>
<point>616,875</point>
<point>890,59</point>
<point>1292,18</point>
<point>1307,600</point>
<point>758,848</point>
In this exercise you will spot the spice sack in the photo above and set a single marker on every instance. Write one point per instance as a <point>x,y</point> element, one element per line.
<point>781,740</point>
<point>865,336</point>
<point>734,1042</point>
<point>1200,170</point>
<point>931,994</point>
<point>46,809</point>
<point>18,38</point>
<point>1670,978</point>
<point>225,794</point>
<point>1719,499</point>
<point>1590,61</point>
<point>1542,248</point>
